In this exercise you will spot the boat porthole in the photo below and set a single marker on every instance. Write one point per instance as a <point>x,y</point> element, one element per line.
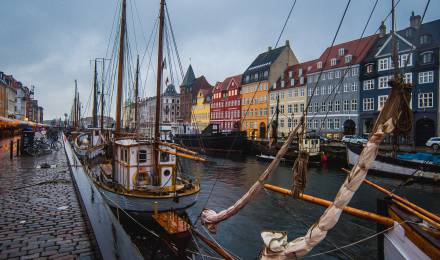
<point>166,173</point>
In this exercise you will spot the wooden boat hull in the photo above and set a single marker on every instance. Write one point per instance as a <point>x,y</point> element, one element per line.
<point>141,204</point>
<point>396,167</point>
<point>396,245</point>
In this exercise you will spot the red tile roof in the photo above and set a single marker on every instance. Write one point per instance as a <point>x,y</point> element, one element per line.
<point>357,48</point>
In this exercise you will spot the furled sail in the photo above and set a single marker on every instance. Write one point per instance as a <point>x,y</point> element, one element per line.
<point>210,218</point>
<point>394,113</point>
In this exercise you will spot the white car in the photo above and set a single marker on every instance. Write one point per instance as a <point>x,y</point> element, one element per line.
<point>434,143</point>
<point>354,139</point>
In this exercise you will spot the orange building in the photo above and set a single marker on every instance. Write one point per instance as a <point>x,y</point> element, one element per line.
<point>263,72</point>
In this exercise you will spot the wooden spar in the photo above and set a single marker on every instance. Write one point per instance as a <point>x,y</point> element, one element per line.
<point>120,68</point>
<point>178,148</point>
<point>418,214</point>
<point>223,253</point>
<point>95,98</point>
<point>74,108</point>
<point>352,211</point>
<point>400,199</point>
<point>158,87</point>
<point>102,95</point>
<point>136,95</point>
<point>188,156</point>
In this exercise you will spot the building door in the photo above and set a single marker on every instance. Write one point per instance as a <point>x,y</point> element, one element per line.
<point>262,130</point>
<point>349,127</point>
<point>425,129</point>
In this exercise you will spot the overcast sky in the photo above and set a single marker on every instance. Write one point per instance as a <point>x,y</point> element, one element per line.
<point>49,43</point>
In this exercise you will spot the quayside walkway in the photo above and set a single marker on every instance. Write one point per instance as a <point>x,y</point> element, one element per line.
<point>40,213</point>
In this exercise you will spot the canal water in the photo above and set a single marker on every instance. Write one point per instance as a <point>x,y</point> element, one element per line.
<point>224,181</point>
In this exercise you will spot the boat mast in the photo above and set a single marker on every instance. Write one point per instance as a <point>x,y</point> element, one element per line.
<point>394,56</point>
<point>136,95</point>
<point>75,106</point>
<point>158,86</point>
<point>102,95</point>
<point>95,99</point>
<point>120,68</point>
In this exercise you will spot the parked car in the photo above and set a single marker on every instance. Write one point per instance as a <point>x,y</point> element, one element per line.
<point>354,139</point>
<point>434,143</point>
<point>324,140</point>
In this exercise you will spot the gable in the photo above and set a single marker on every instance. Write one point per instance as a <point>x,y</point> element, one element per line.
<point>403,45</point>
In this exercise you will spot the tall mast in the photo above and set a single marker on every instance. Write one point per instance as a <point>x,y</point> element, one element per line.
<point>158,85</point>
<point>394,56</point>
<point>136,95</point>
<point>120,68</point>
<point>95,99</point>
<point>75,106</point>
<point>102,95</point>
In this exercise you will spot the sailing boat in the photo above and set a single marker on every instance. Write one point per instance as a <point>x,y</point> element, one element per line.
<point>142,174</point>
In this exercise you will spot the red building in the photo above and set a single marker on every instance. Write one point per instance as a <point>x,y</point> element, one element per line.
<point>226,104</point>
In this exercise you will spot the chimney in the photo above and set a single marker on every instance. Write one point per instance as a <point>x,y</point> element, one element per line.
<point>269,48</point>
<point>415,21</point>
<point>287,43</point>
<point>382,30</point>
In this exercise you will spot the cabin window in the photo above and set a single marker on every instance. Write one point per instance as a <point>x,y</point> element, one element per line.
<point>164,157</point>
<point>142,156</point>
<point>167,173</point>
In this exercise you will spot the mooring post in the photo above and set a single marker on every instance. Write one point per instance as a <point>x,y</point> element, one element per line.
<point>11,149</point>
<point>18,147</point>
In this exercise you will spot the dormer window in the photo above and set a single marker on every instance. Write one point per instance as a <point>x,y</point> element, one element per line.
<point>369,68</point>
<point>341,52</point>
<point>319,65</point>
<point>266,73</point>
<point>348,58</point>
<point>333,62</point>
<point>425,39</point>
<point>300,72</point>
<point>309,68</point>
<point>282,83</point>
<point>290,74</point>
<point>426,57</point>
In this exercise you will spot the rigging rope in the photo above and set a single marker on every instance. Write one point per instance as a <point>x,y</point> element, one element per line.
<point>285,23</point>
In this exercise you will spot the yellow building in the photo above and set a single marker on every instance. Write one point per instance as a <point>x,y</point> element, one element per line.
<point>201,109</point>
<point>264,71</point>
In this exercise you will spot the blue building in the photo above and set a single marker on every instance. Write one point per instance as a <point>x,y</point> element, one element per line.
<point>418,52</point>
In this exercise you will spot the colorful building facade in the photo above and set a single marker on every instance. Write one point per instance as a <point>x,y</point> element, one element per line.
<point>226,104</point>
<point>263,72</point>
<point>418,59</point>
<point>201,110</point>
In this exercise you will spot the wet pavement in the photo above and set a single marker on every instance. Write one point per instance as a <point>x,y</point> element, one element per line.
<point>41,216</point>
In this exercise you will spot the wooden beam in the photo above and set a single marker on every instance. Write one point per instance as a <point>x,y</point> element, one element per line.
<point>349,210</point>
<point>219,250</point>
<point>400,199</point>
<point>177,147</point>
<point>183,155</point>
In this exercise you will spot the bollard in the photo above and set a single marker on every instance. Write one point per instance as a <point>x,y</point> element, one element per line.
<point>18,147</point>
<point>11,149</point>
<point>155,206</point>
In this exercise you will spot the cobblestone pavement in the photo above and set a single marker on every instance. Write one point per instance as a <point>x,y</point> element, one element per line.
<point>40,213</point>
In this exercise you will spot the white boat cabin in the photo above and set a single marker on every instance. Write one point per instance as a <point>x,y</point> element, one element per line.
<point>134,166</point>
<point>311,144</point>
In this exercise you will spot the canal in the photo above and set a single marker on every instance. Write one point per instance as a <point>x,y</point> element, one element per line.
<point>224,181</point>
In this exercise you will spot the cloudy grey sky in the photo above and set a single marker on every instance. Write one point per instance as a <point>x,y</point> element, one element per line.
<point>49,43</point>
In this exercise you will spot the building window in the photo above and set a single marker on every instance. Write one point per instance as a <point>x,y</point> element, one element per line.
<point>426,57</point>
<point>354,104</point>
<point>337,124</point>
<point>323,123</point>
<point>383,82</point>
<point>282,83</point>
<point>426,77</point>
<point>407,78</point>
<point>369,68</point>
<point>316,107</point>
<point>337,74</point>
<point>323,90</point>
<point>330,75</point>
<point>301,107</point>
<point>289,122</point>
<point>368,104</point>
<point>323,106</point>
<point>292,82</point>
<point>315,124</point>
<point>282,109</point>
<point>282,123</point>
<point>309,124</point>
<point>330,123</point>
<point>337,106</point>
<point>383,64</point>
<point>316,91</point>
<point>295,108</point>
<point>346,105</point>
<point>333,62</point>
<point>330,106</point>
<point>319,65</point>
<point>329,89</point>
<point>345,87</point>
<point>289,108</point>
<point>341,52</point>
<point>266,73</point>
<point>301,92</point>
<point>425,39</point>
<point>426,100</point>
<point>142,156</point>
<point>348,58</point>
<point>381,101</point>
<point>405,60</point>
<point>309,92</point>
<point>354,71</point>
<point>354,86</point>
<point>368,84</point>
<point>301,81</point>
